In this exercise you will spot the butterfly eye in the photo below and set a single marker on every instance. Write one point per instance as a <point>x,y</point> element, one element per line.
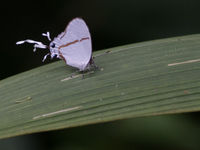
<point>53,45</point>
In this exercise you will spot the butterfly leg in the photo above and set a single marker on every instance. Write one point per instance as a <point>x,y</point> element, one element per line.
<point>47,35</point>
<point>44,58</point>
<point>95,66</point>
<point>83,76</point>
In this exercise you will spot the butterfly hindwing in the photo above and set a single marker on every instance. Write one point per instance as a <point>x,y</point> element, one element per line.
<point>75,44</point>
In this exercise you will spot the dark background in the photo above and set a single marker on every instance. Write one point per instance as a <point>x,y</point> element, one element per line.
<point>111,23</point>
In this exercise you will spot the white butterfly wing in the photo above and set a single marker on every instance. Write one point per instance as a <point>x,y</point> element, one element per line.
<point>75,44</point>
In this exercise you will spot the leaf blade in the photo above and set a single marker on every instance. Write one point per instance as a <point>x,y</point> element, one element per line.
<point>133,81</point>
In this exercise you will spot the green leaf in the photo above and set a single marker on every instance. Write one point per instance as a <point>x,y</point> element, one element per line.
<point>143,79</point>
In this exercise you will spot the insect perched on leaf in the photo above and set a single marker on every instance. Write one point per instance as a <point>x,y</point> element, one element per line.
<point>73,45</point>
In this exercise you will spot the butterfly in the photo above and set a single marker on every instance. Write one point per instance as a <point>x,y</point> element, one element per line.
<point>74,45</point>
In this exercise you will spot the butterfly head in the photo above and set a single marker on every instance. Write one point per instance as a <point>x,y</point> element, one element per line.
<point>53,50</point>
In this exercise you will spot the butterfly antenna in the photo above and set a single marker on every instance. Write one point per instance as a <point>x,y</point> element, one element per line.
<point>36,44</point>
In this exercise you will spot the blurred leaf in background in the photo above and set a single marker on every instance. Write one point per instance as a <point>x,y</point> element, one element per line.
<point>166,132</point>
